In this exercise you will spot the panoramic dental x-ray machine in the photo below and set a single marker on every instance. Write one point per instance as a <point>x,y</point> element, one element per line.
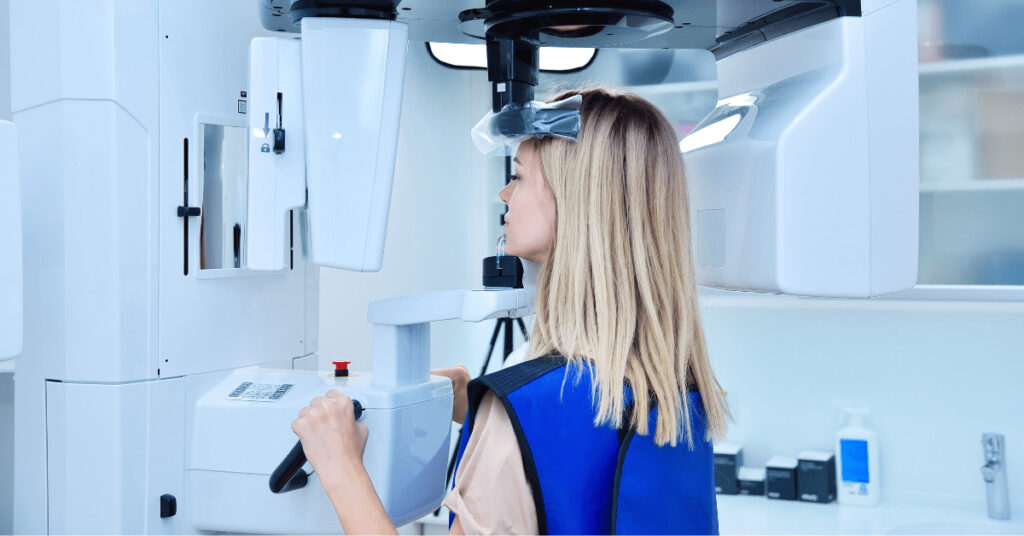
<point>187,167</point>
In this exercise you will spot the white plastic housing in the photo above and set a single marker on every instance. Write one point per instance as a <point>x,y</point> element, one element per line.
<point>353,72</point>
<point>11,315</point>
<point>804,178</point>
<point>235,444</point>
<point>277,182</point>
<point>401,326</point>
<point>113,327</point>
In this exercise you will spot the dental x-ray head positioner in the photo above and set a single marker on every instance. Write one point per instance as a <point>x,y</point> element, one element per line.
<point>157,384</point>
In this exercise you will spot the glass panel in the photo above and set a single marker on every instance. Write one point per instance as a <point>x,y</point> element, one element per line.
<point>972,142</point>
<point>225,194</point>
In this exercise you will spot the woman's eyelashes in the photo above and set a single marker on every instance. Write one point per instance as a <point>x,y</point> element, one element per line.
<point>513,177</point>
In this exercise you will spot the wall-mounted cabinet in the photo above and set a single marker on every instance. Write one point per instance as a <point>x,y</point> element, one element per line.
<point>972,171</point>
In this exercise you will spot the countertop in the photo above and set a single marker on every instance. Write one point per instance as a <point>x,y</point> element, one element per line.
<point>741,514</point>
<point>744,514</point>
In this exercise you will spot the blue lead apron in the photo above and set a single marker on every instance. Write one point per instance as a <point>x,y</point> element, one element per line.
<point>588,479</point>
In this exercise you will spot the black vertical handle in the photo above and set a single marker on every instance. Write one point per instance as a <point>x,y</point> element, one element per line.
<point>288,475</point>
<point>185,211</point>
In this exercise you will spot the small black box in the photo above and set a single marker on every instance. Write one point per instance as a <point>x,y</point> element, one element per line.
<point>728,459</point>
<point>780,478</point>
<point>751,480</point>
<point>816,476</point>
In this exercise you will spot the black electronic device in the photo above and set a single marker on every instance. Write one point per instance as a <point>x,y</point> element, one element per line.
<point>502,271</point>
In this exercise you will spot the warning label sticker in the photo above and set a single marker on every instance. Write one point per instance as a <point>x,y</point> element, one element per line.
<point>259,392</point>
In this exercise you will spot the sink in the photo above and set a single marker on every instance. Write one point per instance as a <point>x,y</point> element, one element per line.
<point>958,527</point>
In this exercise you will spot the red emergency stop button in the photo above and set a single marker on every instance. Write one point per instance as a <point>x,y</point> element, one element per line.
<point>341,368</point>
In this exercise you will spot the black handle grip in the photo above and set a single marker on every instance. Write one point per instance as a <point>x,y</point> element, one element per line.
<point>288,476</point>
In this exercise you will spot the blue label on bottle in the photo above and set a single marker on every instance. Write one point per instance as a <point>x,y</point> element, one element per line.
<point>854,456</point>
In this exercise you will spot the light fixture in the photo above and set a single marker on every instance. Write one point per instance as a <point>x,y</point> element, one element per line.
<point>552,59</point>
<point>710,134</point>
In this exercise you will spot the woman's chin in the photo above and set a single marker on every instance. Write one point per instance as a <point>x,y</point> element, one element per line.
<point>513,252</point>
<point>512,248</point>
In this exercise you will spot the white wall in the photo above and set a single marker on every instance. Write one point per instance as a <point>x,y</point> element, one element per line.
<point>6,378</point>
<point>935,375</point>
<point>443,218</point>
<point>5,62</point>
<point>6,453</point>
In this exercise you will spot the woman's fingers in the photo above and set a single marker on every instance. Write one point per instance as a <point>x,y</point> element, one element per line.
<point>329,433</point>
<point>364,434</point>
<point>333,406</point>
<point>457,374</point>
<point>335,394</point>
<point>319,402</point>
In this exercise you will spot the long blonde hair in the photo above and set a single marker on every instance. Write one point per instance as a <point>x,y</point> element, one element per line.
<point>618,291</point>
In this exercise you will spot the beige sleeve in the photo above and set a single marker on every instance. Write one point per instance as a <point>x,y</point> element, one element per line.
<point>491,494</point>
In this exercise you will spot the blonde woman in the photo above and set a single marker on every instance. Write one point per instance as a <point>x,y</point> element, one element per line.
<point>607,427</point>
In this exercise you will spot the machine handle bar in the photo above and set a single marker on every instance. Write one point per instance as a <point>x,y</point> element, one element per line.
<point>288,476</point>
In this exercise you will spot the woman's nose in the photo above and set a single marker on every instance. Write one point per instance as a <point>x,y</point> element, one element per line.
<point>506,193</point>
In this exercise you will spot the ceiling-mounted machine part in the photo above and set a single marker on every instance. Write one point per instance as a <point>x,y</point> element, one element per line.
<point>804,178</point>
<point>746,24</point>
<point>635,24</point>
<point>577,23</point>
<point>364,9</point>
<point>651,24</point>
<point>286,15</point>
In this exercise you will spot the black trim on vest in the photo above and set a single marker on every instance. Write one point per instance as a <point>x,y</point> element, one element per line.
<point>502,383</point>
<point>623,449</point>
<point>626,433</point>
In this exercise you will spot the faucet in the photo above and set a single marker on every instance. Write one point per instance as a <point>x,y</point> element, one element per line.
<point>994,473</point>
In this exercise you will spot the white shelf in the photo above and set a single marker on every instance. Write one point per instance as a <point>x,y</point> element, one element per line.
<point>977,185</point>
<point>950,296</point>
<point>973,65</point>
<point>960,293</point>
<point>675,87</point>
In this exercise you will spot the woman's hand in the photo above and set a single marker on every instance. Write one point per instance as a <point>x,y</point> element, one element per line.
<point>331,438</point>
<point>460,378</point>
<point>333,442</point>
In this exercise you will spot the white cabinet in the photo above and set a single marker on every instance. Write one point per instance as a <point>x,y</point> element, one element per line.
<point>972,171</point>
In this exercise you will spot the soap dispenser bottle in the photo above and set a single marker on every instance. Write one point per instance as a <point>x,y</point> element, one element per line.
<point>857,461</point>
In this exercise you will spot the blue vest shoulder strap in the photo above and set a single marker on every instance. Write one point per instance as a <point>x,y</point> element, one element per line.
<point>587,479</point>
